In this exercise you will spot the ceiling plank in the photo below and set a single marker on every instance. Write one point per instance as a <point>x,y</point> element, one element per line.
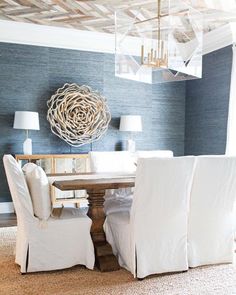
<point>99,15</point>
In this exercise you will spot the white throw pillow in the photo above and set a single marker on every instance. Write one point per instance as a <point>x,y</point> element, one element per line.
<point>39,189</point>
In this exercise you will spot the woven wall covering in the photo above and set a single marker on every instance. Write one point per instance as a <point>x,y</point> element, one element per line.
<point>77,114</point>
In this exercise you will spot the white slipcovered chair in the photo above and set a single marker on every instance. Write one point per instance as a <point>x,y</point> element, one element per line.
<point>154,154</point>
<point>114,162</point>
<point>211,220</point>
<point>153,237</point>
<point>56,243</point>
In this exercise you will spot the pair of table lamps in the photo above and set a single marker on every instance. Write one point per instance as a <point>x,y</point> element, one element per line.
<point>30,121</point>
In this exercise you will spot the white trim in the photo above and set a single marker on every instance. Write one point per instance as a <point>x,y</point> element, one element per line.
<point>230,149</point>
<point>58,37</point>
<point>218,38</point>
<point>233,29</point>
<point>6,207</point>
<point>39,35</point>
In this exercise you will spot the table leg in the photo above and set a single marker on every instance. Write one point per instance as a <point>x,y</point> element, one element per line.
<point>104,258</point>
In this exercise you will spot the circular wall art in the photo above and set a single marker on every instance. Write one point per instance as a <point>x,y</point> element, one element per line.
<point>77,114</point>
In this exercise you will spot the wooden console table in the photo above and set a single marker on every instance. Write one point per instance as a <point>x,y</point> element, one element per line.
<point>95,187</point>
<point>60,163</point>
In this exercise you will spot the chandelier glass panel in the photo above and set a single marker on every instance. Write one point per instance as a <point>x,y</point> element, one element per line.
<point>162,46</point>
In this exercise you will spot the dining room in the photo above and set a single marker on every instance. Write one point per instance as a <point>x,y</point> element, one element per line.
<point>117,147</point>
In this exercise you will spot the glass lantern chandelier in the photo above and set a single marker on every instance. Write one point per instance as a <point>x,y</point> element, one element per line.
<point>160,47</point>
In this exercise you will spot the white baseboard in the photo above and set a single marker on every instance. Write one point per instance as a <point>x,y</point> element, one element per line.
<point>6,207</point>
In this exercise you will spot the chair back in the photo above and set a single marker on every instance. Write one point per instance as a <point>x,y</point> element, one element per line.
<point>18,188</point>
<point>159,214</point>
<point>211,220</point>
<point>154,154</point>
<point>118,161</point>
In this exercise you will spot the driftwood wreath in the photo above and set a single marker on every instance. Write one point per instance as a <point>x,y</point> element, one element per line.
<point>77,114</point>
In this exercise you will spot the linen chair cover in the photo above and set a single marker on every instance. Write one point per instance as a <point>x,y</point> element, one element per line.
<point>120,162</point>
<point>153,239</point>
<point>154,154</point>
<point>58,244</point>
<point>211,220</point>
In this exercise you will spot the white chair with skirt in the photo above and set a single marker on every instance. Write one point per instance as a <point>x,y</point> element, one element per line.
<point>119,162</point>
<point>154,154</point>
<point>45,243</point>
<point>152,238</point>
<point>211,214</point>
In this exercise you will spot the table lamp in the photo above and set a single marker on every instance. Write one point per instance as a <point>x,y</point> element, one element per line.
<point>131,123</point>
<point>27,121</point>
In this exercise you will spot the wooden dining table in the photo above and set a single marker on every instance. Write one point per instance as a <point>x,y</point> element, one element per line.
<point>96,184</point>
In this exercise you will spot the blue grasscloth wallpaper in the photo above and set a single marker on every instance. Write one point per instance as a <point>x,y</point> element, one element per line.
<point>29,75</point>
<point>207,102</point>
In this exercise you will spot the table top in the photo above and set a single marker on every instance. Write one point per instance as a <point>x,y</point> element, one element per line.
<point>101,182</point>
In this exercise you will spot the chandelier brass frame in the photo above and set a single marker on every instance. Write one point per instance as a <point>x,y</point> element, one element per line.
<point>166,47</point>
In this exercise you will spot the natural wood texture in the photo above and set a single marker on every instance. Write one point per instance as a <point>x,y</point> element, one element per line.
<point>105,260</point>
<point>78,114</point>
<point>97,184</point>
<point>68,174</point>
<point>99,15</point>
<point>96,175</point>
<point>49,156</point>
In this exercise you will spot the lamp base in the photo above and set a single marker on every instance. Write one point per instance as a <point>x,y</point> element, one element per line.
<point>130,145</point>
<point>27,146</point>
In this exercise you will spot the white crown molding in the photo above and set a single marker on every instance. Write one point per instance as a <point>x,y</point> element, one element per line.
<point>58,37</point>
<point>39,35</point>
<point>217,39</point>
<point>233,30</point>
<point>6,207</point>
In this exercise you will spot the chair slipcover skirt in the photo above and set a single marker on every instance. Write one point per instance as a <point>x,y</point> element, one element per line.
<point>51,244</point>
<point>154,238</point>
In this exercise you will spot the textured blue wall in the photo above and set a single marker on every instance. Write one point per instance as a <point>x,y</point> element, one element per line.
<point>207,102</point>
<point>29,75</point>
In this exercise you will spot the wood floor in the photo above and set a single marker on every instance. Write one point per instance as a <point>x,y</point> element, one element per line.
<point>8,219</point>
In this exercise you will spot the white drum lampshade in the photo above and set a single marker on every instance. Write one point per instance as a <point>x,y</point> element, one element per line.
<point>26,121</point>
<point>131,123</point>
